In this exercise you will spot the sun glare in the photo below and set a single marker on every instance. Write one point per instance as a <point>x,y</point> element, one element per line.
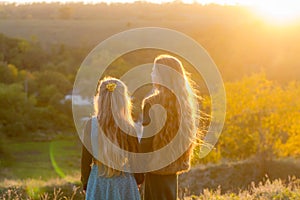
<point>282,12</point>
<point>273,11</point>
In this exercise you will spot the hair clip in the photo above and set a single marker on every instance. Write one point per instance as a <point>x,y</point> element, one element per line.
<point>111,87</point>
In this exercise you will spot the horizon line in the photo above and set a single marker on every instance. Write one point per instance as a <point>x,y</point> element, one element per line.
<point>185,2</point>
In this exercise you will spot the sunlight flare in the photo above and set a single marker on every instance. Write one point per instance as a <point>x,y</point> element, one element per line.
<point>282,12</point>
<point>54,163</point>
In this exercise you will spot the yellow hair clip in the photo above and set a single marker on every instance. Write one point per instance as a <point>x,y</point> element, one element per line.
<point>111,87</point>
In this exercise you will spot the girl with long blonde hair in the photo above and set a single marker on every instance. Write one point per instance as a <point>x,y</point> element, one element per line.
<point>172,90</point>
<point>111,126</point>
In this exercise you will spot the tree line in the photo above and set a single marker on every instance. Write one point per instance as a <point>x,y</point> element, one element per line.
<point>262,117</point>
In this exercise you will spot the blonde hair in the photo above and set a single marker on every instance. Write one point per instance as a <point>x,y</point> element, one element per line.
<point>185,113</point>
<point>113,110</point>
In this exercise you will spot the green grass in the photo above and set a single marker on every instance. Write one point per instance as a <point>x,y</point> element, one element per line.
<point>40,160</point>
<point>49,169</point>
<point>30,169</point>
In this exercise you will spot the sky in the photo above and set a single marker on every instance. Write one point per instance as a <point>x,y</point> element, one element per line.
<point>273,10</point>
<point>124,1</point>
<point>222,2</point>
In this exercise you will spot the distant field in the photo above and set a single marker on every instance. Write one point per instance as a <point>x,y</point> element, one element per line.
<point>239,47</point>
<point>90,24</point>
<point>89,32</point>
<point>72,32</point>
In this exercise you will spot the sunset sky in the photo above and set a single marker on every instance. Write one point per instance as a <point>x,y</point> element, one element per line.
<point>227,2</point>
<point>274,11</point>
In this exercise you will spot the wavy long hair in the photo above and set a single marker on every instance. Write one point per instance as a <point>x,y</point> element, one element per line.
<point>113,111</point>
<point>185,113</point>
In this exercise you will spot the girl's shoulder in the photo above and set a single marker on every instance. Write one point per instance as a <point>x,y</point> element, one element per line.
<point>151,99</point>
<point>89,125</point>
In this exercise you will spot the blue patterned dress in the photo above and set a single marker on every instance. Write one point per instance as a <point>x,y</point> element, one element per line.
<point>114,188</point>
<point>121,187</point>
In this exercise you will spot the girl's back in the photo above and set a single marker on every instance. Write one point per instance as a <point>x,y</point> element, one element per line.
<point>119,186</point>
<point>102,166</point>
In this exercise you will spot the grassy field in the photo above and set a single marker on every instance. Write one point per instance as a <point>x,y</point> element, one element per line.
<point>51,169</point>
<point>91,32</point>
<point>40,160</point>
<point>58,31</point>
<point>275,190</point>
<point>68,188</point>
<point>35,168</point>
<point>85,32</point>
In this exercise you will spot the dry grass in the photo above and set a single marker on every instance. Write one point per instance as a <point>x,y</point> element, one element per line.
<point>276,190</point>
<point>56,188</point>
<point>265,190</point>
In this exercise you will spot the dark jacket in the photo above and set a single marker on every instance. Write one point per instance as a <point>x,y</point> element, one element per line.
<point>155,142</point>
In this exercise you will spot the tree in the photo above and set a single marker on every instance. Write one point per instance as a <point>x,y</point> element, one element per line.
<point>8,73</point>
<point>289,119</point>
<point>254,123</point>
<point>16,109</point>
<point>51,79</point>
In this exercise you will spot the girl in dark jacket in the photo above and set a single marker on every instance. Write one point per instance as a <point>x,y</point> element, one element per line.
<point>173,91</point>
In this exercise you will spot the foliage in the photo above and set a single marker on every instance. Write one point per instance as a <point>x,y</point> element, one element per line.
<point>262,121</point>
<point>32,98</point>
<point>256,106</point>
<point>261,116</point>
<point>16,110</point>
<point>22,53</point>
